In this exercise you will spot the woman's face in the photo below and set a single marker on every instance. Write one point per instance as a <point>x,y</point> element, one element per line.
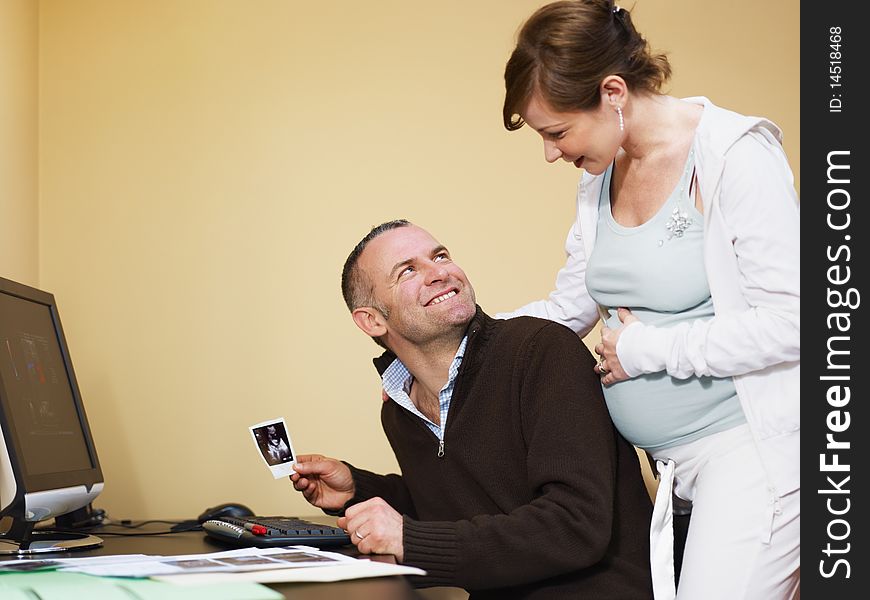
<point>589,138</point>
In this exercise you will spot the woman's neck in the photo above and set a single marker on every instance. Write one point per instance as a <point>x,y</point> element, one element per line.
<point>657,124</point>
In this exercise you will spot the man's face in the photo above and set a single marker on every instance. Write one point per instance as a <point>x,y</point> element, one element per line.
<point>426,294</point>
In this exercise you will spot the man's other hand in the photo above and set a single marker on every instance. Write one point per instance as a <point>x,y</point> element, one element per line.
<point>325,482</point>
<point>375,528</point>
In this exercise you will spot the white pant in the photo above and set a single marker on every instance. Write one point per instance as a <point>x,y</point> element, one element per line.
<point>744,541</point>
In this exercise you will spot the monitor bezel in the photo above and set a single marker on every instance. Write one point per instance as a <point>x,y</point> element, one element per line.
<point>28,482</point>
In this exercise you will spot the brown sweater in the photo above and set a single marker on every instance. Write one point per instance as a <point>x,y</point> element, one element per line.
<point>537,495</point>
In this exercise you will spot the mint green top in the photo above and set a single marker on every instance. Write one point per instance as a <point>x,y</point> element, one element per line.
<point>657,270</point>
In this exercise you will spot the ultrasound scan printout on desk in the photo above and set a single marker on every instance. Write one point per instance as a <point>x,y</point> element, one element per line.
<point>274,445</point>
<point>230,561</point>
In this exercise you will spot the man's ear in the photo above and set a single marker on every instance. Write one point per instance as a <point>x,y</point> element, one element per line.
<point>370,320</point>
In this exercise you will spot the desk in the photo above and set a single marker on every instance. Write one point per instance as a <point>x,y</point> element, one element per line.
<point>196,542</point>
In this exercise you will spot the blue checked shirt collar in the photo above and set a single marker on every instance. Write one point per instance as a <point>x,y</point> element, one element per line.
<point>397,383</point>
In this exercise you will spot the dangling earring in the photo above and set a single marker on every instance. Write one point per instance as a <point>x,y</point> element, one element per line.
<point>621,120</point>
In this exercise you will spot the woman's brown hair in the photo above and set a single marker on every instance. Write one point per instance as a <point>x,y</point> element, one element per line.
<point>564,51</point>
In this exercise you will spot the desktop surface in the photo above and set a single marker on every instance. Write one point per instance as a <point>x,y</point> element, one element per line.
<point>196,542</point>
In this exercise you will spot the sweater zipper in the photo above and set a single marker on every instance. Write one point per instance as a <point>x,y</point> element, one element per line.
<point>440,453</point>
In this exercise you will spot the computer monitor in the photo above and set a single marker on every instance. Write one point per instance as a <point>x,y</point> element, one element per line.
<point>48,463</point>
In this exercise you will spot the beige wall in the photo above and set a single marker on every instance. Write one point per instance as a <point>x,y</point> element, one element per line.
<point>206,165</point>
<point>18,136</point>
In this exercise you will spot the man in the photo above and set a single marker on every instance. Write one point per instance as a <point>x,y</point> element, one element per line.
<point>514,482</point>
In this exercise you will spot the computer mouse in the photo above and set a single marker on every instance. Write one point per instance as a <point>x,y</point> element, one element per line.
<point>228,509</point>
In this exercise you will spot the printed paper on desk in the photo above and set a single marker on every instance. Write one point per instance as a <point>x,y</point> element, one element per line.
<point>273,443</point>
<point>40,564</point>
<point>58,585</point>
<point>229,561</point>
<point>358,569</point>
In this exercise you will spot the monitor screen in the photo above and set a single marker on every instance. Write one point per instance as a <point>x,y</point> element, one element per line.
<point>41,406</point>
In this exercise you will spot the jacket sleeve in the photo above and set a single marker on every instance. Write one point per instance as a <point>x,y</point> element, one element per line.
<point>567,522</point>
<point>569,304</point>
<point>759,208</point>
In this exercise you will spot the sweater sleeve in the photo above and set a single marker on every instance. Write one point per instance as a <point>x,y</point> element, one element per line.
<point>389,487</point>
<point>569,304</point>
<point>570,463</point>
<point>759,208</point>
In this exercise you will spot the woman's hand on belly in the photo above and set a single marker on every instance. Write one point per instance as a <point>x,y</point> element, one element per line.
<point>609,368</point>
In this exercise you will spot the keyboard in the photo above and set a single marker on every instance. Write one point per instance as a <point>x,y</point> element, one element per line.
<point>268,532</point>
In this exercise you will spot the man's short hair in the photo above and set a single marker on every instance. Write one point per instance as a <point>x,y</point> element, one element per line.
<point>356,285</point>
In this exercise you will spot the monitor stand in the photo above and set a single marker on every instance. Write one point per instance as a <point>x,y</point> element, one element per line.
<point>22,540</point>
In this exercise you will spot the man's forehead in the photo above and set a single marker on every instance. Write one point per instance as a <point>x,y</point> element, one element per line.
<point>397,245</point>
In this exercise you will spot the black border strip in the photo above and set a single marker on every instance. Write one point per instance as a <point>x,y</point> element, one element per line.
<point>835,229</point>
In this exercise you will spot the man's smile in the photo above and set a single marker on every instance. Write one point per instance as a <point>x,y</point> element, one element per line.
<point>442,297</point>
